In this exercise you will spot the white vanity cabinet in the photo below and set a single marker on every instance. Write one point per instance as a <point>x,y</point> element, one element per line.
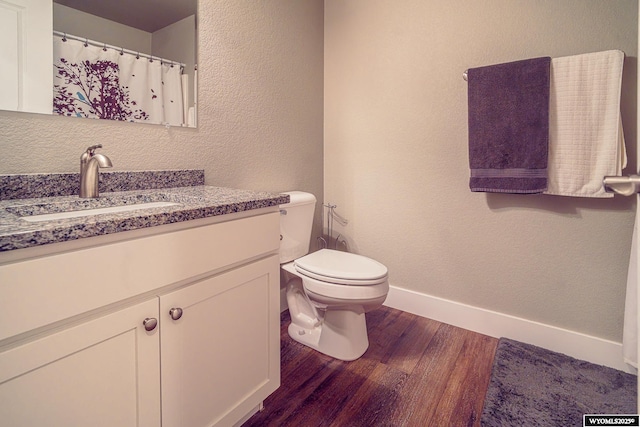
<point>78,345</point>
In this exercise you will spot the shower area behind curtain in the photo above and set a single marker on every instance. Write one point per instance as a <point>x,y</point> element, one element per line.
<point>101,82</point>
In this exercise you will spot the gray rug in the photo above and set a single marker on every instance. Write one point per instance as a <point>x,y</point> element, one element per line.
<point>531,386</point>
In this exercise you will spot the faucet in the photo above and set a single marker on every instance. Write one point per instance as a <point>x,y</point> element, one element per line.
<point>90,163</point>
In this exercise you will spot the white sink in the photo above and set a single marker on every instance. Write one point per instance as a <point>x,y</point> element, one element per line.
<point>96,211</point>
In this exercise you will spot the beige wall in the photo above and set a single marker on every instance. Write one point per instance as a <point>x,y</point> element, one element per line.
<point>260,117</point>
<point>396,160</point>
<point>177,42</point>
<point>81,24</point>
<point>395,141</point>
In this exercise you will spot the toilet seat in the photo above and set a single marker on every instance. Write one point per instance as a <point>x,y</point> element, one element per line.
<point>344,293</point>
<point>341,268</point>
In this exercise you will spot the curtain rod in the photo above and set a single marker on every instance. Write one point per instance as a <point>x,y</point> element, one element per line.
<point>116,48</point>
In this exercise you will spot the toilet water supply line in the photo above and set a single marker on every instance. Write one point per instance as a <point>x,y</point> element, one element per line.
<point>331,215</point>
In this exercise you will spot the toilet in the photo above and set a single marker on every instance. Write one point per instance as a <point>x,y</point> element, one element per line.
<point>328,291</point>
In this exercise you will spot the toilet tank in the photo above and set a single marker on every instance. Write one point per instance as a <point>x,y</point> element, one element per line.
<point>296,221</point>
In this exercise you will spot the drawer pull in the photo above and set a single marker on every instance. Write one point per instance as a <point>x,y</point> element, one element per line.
<point>175,313</point>
<point>150,323</point>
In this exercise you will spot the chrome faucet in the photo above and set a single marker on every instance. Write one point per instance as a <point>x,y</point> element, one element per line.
<point>90,164</point>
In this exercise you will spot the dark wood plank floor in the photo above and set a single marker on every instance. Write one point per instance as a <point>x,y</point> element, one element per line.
<point>416,372</point>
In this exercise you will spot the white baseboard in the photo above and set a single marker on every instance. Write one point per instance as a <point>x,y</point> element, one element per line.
<point>487,322</point>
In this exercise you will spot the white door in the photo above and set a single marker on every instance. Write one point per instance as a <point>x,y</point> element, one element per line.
<point>628,186</point>
<point>630,342</point>
<point>635,254</point>
<point>103,372</point>
<point>26,55</point>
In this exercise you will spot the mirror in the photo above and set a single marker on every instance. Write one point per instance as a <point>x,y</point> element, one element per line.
<point>106,55</point>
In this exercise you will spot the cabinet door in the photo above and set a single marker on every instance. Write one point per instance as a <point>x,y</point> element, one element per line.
<point>221,358</point>
<point>104,372</point>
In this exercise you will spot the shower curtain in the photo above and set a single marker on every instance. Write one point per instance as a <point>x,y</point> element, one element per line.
<point>104,83</point>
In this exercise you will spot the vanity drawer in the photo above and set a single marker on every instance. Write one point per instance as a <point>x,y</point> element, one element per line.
<point>41,291</point>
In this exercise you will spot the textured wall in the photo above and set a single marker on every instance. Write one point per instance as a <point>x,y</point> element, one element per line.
<point>396,159</point>
<point>395,141</point>
<point>260,70</point>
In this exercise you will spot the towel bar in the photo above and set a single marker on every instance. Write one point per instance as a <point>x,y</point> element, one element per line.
<point>623,185</point>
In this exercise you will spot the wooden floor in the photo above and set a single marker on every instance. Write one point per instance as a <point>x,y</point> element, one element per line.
<point>416,372</point>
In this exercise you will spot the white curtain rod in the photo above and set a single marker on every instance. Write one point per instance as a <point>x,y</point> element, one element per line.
<point>116,48</point>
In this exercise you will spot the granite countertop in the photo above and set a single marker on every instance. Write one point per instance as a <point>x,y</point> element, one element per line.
<point>193,202</point>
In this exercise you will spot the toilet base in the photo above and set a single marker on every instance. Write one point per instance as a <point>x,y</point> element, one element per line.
<point>342,334</point>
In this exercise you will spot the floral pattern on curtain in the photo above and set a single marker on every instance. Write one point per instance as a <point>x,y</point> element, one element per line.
<point>103,83</point>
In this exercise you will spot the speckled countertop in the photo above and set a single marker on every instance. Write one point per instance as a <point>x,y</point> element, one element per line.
<point>192,202</point>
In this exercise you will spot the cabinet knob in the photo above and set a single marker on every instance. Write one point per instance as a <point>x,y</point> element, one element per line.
<point>150,323</point>
<point>175,313</point>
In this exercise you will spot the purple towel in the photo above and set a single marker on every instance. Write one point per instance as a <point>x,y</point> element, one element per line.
<point>509,126</point>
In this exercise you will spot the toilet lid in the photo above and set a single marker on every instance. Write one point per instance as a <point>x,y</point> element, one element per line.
<point>341,267</point>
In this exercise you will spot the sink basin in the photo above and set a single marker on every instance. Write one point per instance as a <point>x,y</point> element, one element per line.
<point>95,211</point>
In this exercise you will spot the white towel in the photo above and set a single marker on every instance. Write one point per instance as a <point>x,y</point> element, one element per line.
<point>586,141</point>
